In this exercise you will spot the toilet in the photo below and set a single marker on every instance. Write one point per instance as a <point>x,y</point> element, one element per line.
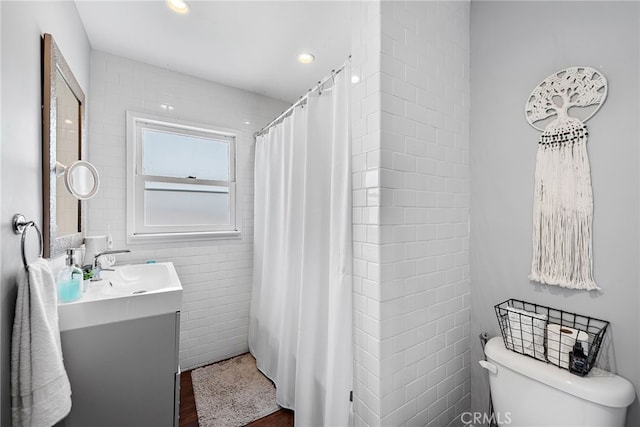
<point>528,392</point>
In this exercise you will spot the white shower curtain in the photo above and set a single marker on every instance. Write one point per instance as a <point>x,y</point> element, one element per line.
<point>300,317</point>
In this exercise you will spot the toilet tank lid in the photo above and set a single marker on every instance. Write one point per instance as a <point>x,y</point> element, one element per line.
<point>600,386</point>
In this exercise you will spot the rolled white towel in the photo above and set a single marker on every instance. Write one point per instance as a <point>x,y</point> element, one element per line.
<point>526,332</point>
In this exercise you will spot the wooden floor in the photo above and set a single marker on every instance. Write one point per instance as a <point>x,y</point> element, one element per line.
<point>189,416</point>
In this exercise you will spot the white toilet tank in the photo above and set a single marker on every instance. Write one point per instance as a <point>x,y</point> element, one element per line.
<point>528,392</point>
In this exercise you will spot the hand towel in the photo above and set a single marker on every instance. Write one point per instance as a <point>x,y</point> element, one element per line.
<point>40,389</point>
<point>527,332</point>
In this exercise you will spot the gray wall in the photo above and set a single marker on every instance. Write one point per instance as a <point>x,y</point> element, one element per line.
<point>21,190</point>
<point>514,45</point>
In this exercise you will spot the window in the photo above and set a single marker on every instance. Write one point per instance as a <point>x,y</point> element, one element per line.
<point>181,180</point>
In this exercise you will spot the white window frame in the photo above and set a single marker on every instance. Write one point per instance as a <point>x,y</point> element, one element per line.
<point>137,232</point>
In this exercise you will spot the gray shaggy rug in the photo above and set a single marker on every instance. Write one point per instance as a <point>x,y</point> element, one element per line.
<point>232,393</point>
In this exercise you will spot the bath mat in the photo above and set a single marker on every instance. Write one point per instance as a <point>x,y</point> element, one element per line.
<point>232,393</point>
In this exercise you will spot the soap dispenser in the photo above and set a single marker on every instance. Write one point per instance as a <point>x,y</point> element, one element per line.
<point>69,280</point>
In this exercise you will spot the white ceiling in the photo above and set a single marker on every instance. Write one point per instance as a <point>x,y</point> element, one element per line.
<point>250,45</point>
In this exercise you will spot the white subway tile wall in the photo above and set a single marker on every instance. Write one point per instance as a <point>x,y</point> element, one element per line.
<point>365,129</point>
<point>411,212</point>
<point>216,275</point>
<point>424,216</point>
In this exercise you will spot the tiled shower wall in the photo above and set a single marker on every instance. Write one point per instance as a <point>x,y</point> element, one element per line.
<point>216,276</point>
<point>411,218</point>
<point>365,129</point>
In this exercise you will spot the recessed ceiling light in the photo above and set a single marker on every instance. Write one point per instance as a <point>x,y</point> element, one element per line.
<point>306,58</point>
<point>355,79</point>
<point>178,6</point>
<point>247,122</point>
<point>67,121</point>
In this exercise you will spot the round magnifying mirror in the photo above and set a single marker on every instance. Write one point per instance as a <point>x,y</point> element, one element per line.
<point>81,179</point>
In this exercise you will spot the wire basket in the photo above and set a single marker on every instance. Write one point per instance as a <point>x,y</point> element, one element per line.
<point>550,335</point>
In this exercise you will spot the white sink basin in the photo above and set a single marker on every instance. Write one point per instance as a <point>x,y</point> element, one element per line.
<point>128,292</point>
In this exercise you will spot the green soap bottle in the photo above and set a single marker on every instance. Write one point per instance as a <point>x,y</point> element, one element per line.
<point>69,280</point>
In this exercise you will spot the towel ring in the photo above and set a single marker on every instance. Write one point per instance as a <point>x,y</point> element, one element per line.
<point>21,226</point>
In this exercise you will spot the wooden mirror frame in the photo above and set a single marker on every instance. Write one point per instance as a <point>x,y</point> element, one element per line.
<point>52,63</point>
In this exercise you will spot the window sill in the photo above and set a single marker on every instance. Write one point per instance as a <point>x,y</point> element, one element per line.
<point>183,237</point>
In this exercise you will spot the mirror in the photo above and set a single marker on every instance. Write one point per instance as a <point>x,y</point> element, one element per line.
<point>81,179</point>
<point>63,135</point>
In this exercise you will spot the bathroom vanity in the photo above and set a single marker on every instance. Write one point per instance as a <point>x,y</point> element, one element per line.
<point>120,346</point>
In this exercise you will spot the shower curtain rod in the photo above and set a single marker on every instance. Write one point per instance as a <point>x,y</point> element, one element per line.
<point>302,99</point>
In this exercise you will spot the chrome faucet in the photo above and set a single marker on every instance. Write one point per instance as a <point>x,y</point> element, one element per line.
<point>96,270</point>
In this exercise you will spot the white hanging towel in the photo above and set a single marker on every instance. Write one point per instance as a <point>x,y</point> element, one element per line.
<point>40,389</point>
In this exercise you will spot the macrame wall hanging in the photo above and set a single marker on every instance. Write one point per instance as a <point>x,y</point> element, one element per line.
<point>563,199</point>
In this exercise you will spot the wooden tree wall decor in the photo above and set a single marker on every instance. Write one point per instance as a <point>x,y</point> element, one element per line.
<point>563,199</point>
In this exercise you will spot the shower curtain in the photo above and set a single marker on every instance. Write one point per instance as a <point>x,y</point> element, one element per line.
<point>300,316</point>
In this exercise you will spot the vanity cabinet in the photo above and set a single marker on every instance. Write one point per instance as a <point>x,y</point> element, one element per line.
<point>124,374</point>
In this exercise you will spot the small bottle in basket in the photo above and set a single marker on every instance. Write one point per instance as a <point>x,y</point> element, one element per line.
<point>578,360</point>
